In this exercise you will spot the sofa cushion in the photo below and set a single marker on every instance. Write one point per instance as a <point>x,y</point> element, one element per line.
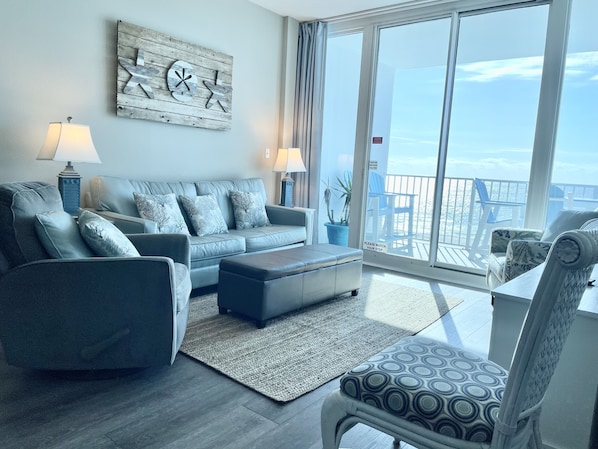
<point>249,209</point>
<point>275,236</point>
<point>59,233</point>
<point>164,210</point>
<point>215,246</point>
<point>204,214</point>
<point>109,193</point>
<point>103,237</point>
<point>567,220</point>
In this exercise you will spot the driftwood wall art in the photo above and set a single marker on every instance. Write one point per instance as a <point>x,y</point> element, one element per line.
<point>167,80</point>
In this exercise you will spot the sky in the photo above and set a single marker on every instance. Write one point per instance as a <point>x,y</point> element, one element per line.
<point>495,102</point>
<point>493,119</point>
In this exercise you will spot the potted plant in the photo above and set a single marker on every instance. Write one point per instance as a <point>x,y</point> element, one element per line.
<point>338,230</point>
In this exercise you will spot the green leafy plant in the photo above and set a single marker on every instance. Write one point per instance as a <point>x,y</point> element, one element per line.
<point>343,191</point>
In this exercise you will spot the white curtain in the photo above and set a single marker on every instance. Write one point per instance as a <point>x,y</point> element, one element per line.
<point>308,113</point>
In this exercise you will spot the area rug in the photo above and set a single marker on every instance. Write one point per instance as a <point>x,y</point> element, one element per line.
<point>299,351</point>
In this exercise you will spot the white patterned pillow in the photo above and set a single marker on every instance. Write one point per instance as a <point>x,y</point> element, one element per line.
<point>164,210</point>
<point>205,214</point>
<point>249,209</point>
<point>103,237</point>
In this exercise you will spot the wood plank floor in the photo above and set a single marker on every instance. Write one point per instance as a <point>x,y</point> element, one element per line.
<point>190,406</point>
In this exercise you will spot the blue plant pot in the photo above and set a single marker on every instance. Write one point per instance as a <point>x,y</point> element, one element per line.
<point>337,234</point>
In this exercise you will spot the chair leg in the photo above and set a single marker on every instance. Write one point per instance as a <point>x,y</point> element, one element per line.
<point>478,235</point>
<point>331,416</point>
<point>396,444</point>
<point>536,439</point>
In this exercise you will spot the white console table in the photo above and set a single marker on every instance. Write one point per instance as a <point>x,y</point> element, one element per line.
<point>566,421</point>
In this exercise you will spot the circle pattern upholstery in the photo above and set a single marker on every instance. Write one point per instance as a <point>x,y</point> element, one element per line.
<point>434,385</point>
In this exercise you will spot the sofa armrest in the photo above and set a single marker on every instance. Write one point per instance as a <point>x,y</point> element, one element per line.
<point>293,216</point>
<point>502,236</point>
<point>523,255</point>
<point>96,313</point>
<point>175,246</point>
<point>127,223</point>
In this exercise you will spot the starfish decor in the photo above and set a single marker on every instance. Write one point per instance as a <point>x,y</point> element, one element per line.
<point>219,93</point>
<point>140,74</point>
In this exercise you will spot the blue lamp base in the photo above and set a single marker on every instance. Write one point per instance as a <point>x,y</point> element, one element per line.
<point>70,191</point>
<point>286,192</point>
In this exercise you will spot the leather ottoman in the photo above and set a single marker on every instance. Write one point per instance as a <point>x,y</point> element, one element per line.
<point>265,285</point>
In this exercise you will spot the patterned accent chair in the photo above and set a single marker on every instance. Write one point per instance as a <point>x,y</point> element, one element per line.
<point>433,395</point>
<point>515,251</point>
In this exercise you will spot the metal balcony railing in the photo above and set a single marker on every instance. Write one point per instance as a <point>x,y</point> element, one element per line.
<point>461,207</point>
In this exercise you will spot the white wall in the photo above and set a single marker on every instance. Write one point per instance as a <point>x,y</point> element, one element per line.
<point>59,59</point>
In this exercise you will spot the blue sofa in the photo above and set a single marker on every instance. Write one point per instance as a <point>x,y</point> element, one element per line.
<point>112,197</point>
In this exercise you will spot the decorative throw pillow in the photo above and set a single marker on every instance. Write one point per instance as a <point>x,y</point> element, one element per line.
<point>103,237</point>
<point>567,220</point>
<point>205,215</point>
<point>164,210</point>
<point>59,234</point>
<point>249,209</point>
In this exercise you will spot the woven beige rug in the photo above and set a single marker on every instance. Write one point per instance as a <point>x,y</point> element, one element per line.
<point>298,352</point>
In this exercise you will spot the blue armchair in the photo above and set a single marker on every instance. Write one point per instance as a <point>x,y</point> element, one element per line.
<point>86,313</point>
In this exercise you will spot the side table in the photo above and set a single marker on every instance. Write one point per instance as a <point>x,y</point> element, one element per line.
<point>568,409</point>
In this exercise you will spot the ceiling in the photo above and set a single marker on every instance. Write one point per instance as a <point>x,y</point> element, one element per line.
<point>305,10</point>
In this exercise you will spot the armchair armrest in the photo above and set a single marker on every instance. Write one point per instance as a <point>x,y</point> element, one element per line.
<point>502,236</point>
<point>96,313</point>
<point>523,255</point>
<point>293,216</point>
<point>175,246</point>
<point>127,223</point>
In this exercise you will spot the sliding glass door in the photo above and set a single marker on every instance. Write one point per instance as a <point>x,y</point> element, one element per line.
<point>454,115</point>
<point>574,178</point>
<point>495,92</point>
<point>436,111</point>
<point>408,103</point>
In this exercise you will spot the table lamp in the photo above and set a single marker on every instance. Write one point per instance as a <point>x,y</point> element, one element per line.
<point>288,161</point>
<point>71,143</point>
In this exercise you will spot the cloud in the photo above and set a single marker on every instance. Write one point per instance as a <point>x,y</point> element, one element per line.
<point>577,65</point>
<point>523,68</point>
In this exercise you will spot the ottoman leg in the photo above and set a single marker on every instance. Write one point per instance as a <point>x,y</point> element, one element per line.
<point>222,310</point>
<point>261,324</point>
<point>354,292</point>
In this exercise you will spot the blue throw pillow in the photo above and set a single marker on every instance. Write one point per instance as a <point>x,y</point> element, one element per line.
<point>567,220</point>
<point>59,235</point>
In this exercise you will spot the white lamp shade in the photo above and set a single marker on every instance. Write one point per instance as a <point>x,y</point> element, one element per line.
<point>68,142</point>
<point>289,161</point>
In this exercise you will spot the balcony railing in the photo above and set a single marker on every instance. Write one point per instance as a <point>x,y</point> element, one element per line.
<point>461,208</point>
